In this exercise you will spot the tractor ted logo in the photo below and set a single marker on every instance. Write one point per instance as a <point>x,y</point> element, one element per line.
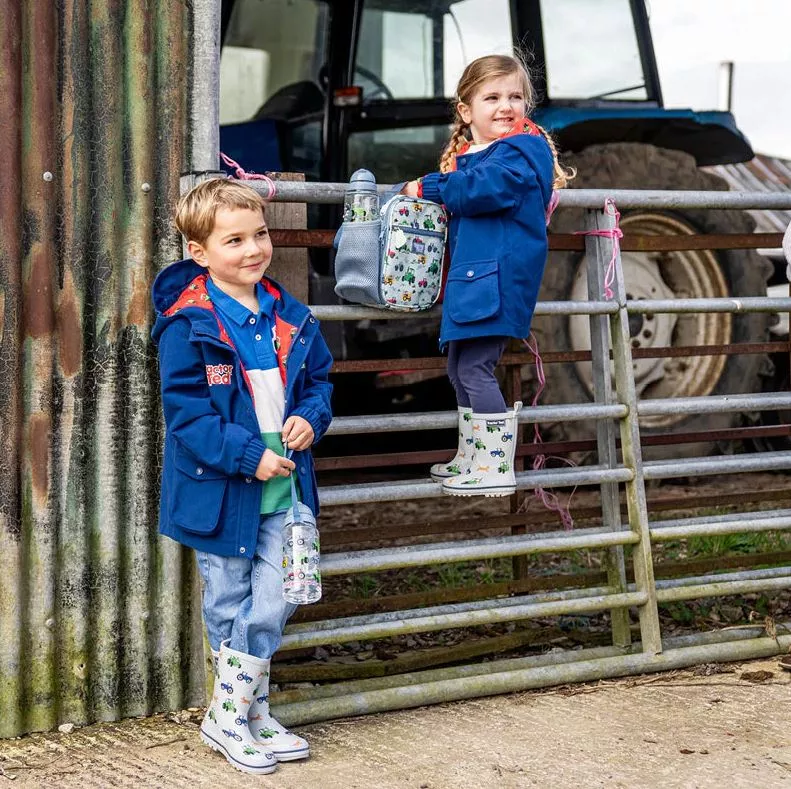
<point>219,374</point>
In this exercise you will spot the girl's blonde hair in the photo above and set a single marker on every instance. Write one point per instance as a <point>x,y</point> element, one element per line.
<point>479,71</point>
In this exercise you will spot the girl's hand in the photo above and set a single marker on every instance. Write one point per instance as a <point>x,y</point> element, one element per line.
<point>273,465</point>
<point>410,189</point>
<point>297,433</point>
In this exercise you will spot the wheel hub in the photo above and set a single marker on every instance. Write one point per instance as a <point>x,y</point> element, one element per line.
<point>674,275</point>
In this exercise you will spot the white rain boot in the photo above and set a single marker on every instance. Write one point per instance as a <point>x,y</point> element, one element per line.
<point>225,725</point>
<point>460,463</point>
<point>492,471</point>
<point>286,745</point>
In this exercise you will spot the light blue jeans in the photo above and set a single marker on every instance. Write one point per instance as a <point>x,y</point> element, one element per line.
<point>243,599</point>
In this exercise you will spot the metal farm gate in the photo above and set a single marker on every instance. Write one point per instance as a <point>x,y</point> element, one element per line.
<point>98,616</point>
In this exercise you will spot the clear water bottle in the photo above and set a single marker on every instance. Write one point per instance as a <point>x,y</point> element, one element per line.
<point>361,203</point>
<point>301,574</point>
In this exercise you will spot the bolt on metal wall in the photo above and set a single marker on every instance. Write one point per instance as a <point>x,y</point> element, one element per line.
<point>97,615</point>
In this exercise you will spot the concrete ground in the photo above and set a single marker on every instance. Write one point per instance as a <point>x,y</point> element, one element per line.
<point>690,729</point>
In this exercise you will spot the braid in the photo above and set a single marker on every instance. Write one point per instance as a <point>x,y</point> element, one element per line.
<point>456,141</point>
<point>562,175</point>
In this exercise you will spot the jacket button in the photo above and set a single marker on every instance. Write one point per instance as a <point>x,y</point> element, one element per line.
<point>199,471</point>
<point>252,320</point>
<point>248,480</point>
<point>258,336</point>
<point>470,273</point>
<point>301,469</point>
<point>312,320</point>
<point>302,340</point>
<point>242,550</point>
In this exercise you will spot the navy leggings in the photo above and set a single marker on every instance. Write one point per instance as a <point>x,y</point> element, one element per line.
<point>471,366</point>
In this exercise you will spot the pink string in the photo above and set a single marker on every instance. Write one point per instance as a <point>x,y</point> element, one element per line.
<point>616,234</point>
<point>243,175</point>
<point>547,498</point>
<point>553,204</point>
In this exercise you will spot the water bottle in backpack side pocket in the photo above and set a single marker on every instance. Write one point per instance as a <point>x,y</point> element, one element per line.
<point>361,202</point>
<point>301,574</point>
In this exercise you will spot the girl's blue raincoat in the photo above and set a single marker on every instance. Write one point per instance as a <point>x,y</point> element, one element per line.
<point>498,199</point>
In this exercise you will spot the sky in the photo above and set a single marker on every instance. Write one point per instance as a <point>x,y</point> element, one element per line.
<point>692,37</point>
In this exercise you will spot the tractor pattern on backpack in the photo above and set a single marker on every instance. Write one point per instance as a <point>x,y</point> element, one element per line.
<point>413,244</point>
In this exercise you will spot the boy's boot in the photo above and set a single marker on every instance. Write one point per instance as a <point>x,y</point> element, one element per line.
<point>286,745</point>
<point>492,471</point>
<point>225,725</point>
<point>460,464</point>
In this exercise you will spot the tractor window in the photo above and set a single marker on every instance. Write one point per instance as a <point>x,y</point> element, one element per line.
<point>272,54</point>
<point>591,50</point>
<point>416,50</point>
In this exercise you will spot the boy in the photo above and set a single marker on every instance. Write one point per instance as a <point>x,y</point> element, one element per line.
<point>244,372</point>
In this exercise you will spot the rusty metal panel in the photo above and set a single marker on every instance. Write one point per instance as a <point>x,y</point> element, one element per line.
<point>97,615</point>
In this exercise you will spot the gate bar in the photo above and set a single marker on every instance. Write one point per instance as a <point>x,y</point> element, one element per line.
<point>332,193</point>
<point>580,668</point>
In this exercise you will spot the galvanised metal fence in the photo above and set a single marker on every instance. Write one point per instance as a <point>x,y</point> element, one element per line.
<point>616,410</point>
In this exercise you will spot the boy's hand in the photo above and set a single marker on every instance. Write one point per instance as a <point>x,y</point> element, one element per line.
<point>273,465</point>
<point>410,189</point>
<point>297,433</point>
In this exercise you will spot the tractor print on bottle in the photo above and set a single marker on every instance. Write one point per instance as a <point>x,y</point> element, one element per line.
<point>409,275</point>
<point>406,297</point>
<point>422,283</point>
<point>434,267</point>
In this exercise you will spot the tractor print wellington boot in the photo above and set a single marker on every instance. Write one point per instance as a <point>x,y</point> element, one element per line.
<point>225,725</point>
<point>460,464</point>
<point>492,469</point>
<point>286,745</point>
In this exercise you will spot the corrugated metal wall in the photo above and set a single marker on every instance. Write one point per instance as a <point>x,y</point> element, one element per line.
<point>97,615</point>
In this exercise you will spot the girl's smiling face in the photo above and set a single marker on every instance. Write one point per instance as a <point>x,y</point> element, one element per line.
<point>494,108</point>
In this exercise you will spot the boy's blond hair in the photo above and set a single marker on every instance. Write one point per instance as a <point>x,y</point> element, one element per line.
<point>196,210</point>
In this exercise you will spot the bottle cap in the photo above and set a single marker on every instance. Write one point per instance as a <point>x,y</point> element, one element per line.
<point>363,181</point>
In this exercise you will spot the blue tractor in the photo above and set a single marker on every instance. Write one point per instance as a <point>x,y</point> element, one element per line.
<point>326,86</point>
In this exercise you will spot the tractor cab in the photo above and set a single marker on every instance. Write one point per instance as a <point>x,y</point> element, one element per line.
<point>326,86</point>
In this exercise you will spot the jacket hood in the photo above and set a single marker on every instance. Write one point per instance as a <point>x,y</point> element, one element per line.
<point>181,286</point>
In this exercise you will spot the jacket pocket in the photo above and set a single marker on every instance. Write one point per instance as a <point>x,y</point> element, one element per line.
<point>473,291</point>
<point>197,495</point>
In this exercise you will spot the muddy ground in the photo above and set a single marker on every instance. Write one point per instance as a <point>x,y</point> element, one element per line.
<point>715,726</point>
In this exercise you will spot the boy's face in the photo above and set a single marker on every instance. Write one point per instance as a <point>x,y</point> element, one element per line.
<point>237,252</point>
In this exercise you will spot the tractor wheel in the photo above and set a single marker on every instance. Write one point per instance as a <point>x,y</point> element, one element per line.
<point>666,275</point>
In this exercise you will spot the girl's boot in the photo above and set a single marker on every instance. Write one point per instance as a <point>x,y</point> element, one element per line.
<point>286,745</point>
<point>225,725</point>
<point>460,464</point>
<point>492,471</point>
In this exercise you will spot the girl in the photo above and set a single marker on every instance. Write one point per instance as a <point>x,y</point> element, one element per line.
<point>496,178</point>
